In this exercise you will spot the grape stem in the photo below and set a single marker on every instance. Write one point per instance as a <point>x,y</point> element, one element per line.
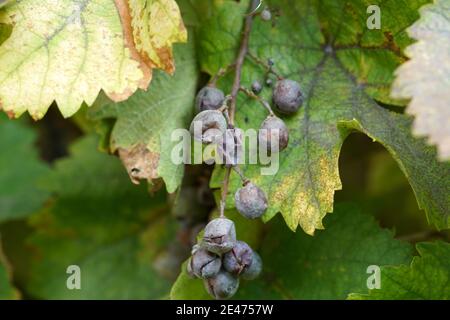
<point>222,72</point>
<point>226,181</point>
<point>239,172</point>
<point>243,51</point>
<point>263,102</point>
<point>269,68</point>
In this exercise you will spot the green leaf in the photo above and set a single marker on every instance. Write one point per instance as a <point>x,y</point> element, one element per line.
<point>329,265</point>
<point>343,69</point>
<point>21,171</point>
<point>74,49</point>
<point>426,77</point>
<point>142,133</point>
<point>7,291</point>
<point>426,278</point>
<point>195,12</point>
<point>102,223</point>
<point>427,177</point>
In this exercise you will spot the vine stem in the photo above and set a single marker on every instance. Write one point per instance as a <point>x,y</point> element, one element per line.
<point>223,198</point>
<point>241,175</point>
<point>269,68</point>
<point>243,50</point>
<point>220,73</point>
<point>263,102</point>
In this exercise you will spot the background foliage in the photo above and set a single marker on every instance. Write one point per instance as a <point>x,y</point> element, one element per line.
<point>356,186</point>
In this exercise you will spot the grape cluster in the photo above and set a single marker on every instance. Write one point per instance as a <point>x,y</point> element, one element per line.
<point>250,200</point>
<point>220,260</point>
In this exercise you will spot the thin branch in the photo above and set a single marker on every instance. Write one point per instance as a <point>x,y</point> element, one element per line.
<point>268,67</point>
<point>255,9</point>
<point>243,50</point>
<point>263,102</point>
<point>223,197</point>
<point>227,117</point>
<point>239,172</point>
<point>225,103</point>
<point>222,72</point>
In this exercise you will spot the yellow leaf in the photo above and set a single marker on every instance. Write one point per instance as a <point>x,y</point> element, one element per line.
<point>157,24</point>
<point>68,50</point>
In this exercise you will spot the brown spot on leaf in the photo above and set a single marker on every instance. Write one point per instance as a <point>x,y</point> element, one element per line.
<point>166,57</point>
<point>10,114</point>
<point>140,163</point>
<point>125,18</point>
<point>390,44</point>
